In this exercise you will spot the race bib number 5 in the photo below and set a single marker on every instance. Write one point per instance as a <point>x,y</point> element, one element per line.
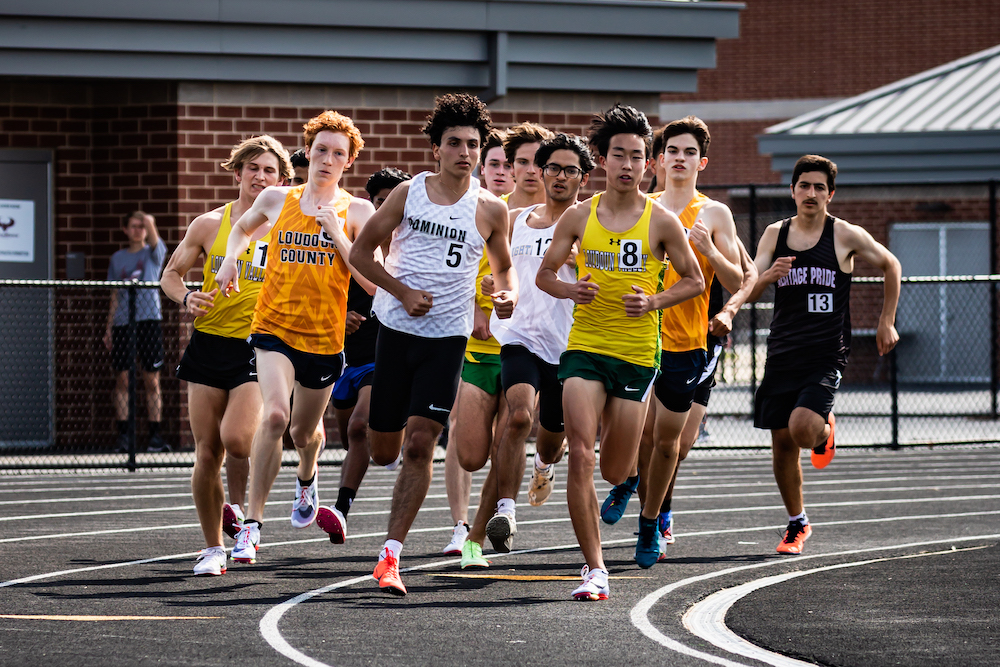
<point>453,257</point>
<point>820,303</point>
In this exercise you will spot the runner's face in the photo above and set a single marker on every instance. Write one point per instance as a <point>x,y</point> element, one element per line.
<point>527,177</point>
<point>681,158</point>
<point>496,172</point>
<point>329,156</point>
<point>561,188</point>
<point>811,193</point>
<point>626,162</point>
<point>259,173</point>
<point>380,196</point>
<point>299,175</point>
<point>459,151</point>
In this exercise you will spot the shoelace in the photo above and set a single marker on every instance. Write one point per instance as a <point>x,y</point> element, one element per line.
<point>620,493</point>
<point>794,528</point>
<point>650,539</point>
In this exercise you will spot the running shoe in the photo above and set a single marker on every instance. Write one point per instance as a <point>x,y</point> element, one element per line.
<point>211,562</point>
<point>306,503</point>
<point>665,528</point>
<point>472,555</point>
<point>156,444</point>
<point>616,502</point>
<point>647,547</point>
<point>500,529</point>
<point>595,585</point>
<point>458,536</point>
<point>387,574</point>
<point>822,455</point>
<point>795,538</point>
<point>232,519</point>
<point>124,443</point>
<point>333,523</point>
<point>395,464</point>
<point>541,485</point>
<point>247,543</point>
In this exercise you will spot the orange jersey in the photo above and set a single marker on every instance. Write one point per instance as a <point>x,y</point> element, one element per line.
<point>304,298</point>
<point>685,326</point>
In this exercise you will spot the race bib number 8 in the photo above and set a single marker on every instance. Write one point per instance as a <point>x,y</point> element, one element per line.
<point>821,303</point>
<point>630,255</point>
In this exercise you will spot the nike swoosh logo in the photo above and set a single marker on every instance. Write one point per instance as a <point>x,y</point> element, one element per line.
<point>437,409</point>
<point>631,389</point>
<point>253,375</point>
<point>691,380</point>
<point>454,217</point>
<point>157,364</point>
<point>326,377</point>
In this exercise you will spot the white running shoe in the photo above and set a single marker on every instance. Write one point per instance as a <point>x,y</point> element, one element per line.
<point>395,464</point>
<point>595,585</point>
<point>333,523</point>
<point>541,485</point>
<point>232,519</point>
<point>500,529</point>
<point>306,503</point>
<point>211,561</point>
<point>247,543</point>
<point>458,537</point>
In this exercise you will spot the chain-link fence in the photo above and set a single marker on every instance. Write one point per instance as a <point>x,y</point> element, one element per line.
<point>78,395</point>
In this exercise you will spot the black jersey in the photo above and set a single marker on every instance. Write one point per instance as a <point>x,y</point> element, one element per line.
<point>811,325</point>
<point>359,347</point>
<point>715,304</point>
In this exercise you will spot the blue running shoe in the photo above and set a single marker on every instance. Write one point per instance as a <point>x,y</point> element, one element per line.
<point>647,547</point>
<point>616,502</point>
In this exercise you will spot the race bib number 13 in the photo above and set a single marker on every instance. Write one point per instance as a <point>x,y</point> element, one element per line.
<point>821,303</point>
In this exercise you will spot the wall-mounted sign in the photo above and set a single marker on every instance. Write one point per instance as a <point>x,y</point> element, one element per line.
<point>17,230</point>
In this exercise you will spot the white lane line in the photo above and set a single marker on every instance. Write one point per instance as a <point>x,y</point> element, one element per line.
<point>640,612</point>
<point>707,618</point>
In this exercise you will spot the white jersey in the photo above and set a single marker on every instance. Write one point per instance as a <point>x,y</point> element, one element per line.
<point>540,322</point>
<point>435,249</point>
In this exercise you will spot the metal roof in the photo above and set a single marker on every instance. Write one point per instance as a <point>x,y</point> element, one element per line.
<point>942,124</point>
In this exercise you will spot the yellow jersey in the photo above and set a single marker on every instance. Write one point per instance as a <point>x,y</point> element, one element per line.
<point>230,317</point>
<point>616,261</point>
<point>304,298</point>
<point>685,326</point>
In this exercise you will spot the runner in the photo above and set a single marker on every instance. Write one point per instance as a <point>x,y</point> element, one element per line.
<point>809,259</point>
<point>440,224</point>
<point>532,340</point>
<point>520,145</point>
<point>223,397</point>
<point>614,344</point>
<point>352,392</point>
<point>298,324</point>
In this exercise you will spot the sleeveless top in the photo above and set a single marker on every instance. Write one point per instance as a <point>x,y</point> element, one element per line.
<point>484,303</point>
<point>304,298</point>
<point>230,317</point>
<point>359,347</point>
<point>540,322</point>
<point>812,317</point>
<point>616,261</point>
<point>685,326</point>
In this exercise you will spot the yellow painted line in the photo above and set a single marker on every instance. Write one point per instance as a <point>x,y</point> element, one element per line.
<point>518,577</point>
<point>56,617</point>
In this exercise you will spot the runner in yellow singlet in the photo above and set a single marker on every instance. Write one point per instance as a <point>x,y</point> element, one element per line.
<point>612,357</point>
<point>223,398</point>
<point>298,325</point>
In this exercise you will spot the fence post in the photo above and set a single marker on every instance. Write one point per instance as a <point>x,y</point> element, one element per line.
<point>131,377</point>
<point>752,245</point>
<point>894,400</point>
<point>993,299</point>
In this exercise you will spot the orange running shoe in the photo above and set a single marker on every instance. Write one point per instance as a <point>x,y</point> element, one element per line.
<point>795,538</point>
<point>822,455</point>
<point>387,573</point>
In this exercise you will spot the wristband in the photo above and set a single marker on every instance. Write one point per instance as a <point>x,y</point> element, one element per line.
<point>185,301</point>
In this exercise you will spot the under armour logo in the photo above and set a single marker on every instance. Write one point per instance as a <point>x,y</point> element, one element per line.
<point>615,242</point>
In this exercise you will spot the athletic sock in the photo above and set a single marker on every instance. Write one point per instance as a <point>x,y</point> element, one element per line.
<point>799,517</point>
<point>345,498</point>
<point>633,482</point>
<point>249,521</point>
<point>665,505</point>
<point>306,483</point>
<point>539,465</point>
<point>643,521</point>
<point>122,426</point>
<point>506,506</point>
<point>394,547</point>
<point>154,428</point>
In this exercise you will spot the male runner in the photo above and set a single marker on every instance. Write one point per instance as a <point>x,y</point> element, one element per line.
<point>614,344</point>
<point>440,224</point>
<point>532,340</point>
<point>352,392</point>
<point>298,324</point>
<point>224,401</point>
<point>493,165</point>
<point>300,167</point>
<point>809,259</point>
<point>684,332</point>
<point>520,145</point>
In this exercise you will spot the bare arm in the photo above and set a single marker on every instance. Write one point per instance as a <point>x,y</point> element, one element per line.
<point>667,231</point>
<point>722,323</point>
<point>358,214</point>
<point>569,230</point>
<point>867,248</point>
<point>498,252</point>
<point>264,211</point>
<point>196,241</point>
<point>152,235</point>
<point>714,236</point>
<point>768,273</point>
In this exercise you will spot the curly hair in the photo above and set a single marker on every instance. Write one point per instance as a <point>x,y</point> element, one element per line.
<point>389,177</point>
<point>250,149</point>
<point>565,142</point>
<point>333,122</point>
<point>457,110</point>
<point>619,119</point>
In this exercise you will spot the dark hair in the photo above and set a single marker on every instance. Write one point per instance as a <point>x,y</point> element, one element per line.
<point>457,110</point>
<point>138,214</point>
<point>816,163</point>
<point>521,134</point>
<point>688,125</point>
<point>567,142</point>
<point>299,159</point>
<point>493,140</point>
<point>619,119</point>
<point>389,178</point>
<point>657,144</point>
